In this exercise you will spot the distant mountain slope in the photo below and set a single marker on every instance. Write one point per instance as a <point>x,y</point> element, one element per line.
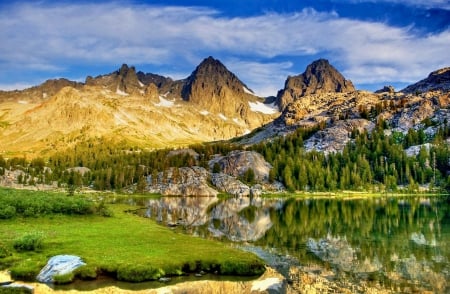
<point>146,110</point>
<point>437,80</point>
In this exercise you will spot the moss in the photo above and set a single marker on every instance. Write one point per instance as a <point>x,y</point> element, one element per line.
<point>86,272</point>
<point>64,279</point>
<point>138,273</point>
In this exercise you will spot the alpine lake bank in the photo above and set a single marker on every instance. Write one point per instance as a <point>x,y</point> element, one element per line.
<point>119,246</point>
<point>114,243</point>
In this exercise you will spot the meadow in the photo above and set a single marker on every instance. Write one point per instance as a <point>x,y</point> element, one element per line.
<point>111,241</point>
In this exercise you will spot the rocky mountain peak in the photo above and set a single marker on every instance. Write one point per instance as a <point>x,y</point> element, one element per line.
<point>320,77</point>
<point>123,81</point>
<point>211,73</point>
<point>214,88</point>
<point>436,80</point>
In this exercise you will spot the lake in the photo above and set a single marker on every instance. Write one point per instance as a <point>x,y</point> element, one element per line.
<point>401,244</point>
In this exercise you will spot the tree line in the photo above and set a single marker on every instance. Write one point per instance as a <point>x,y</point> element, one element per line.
<point>370,161</point>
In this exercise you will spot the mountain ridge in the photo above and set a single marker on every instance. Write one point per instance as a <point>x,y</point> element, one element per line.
<point>212,103</point>
<point>150,113</point>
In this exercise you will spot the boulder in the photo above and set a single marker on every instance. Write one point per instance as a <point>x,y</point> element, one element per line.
<point>236,163</point>
<point>229,184</point>
<point>59,265</point>
<point>183,181</point>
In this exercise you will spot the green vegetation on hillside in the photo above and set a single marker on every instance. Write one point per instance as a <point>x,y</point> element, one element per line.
<point>371,161</point>
<point>124,246</point>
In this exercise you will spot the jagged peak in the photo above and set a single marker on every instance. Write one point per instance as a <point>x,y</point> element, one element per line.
<point>320,77</point>
<point>125,69</point>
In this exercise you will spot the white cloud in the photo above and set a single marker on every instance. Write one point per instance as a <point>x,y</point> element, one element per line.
<point>265,79</point>
<point>56,37</point>
<point>441,4</point>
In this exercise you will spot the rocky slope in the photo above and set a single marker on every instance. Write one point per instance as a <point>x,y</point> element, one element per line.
<point>188,181</point>
<point>423,105</point>
<point>320,77</point>
<point>146,110</point>
<point>438,80</point>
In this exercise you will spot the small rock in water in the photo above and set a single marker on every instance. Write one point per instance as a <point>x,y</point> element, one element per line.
<point>164,279</point>
<point>198,275</point>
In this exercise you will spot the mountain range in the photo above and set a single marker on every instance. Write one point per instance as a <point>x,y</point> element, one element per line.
<point>152,111</point>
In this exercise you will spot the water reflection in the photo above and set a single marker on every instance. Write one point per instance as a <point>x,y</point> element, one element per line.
<point>404,241</point>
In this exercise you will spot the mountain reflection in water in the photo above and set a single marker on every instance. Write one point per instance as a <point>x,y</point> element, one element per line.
<point>396,242</point>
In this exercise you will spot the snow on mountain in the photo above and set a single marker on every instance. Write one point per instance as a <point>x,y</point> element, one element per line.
<point>164,102</point>
<point>263,108</point>
<point>246,90</point>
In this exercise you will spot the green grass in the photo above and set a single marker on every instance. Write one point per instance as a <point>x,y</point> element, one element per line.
<point>123,245</point>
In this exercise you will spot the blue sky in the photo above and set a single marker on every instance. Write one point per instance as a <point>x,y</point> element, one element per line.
<point>372,42</point>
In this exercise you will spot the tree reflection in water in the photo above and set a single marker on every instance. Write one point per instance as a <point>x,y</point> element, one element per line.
<point>388,240</point>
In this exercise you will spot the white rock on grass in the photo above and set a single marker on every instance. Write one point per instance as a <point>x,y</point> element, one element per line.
<point>59,265</point>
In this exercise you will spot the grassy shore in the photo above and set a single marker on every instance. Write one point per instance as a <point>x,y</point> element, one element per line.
<point>125,246</point>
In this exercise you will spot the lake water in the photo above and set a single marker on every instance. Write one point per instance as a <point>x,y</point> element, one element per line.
<point>397,243</point>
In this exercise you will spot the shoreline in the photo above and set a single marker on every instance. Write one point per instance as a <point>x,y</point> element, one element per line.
<point>271,279</point>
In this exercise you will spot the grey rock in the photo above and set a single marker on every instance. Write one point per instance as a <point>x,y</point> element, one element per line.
<point>183,181</point>
<point>386,89</point>
<point>236,163</point>
<point>59,265</point>
<point>230,185</point>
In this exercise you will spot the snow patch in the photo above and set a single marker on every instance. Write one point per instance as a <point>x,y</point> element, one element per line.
<point>44,95</point>
<point>22,102</point>
<point>246,90</point>
<point>222,116</point>
<point>236,120</point>
<point>142,92</point>
<point>141,84</point>
<point>263,108</point>
<point>246,132</point>
<point>204,112</point>
<point>121,93</point>
<point>164,102</point>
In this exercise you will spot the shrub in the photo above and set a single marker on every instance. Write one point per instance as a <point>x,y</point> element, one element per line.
<point>103,210</point>
<point>173,270</point>
<point>138,273</point>
<point>29,242</point>
<point>25,271</point>
<point>63,279</point>
<point>7,211</point>
<point>86,272</point>
<point>4,252</point>
<point>242,268</point>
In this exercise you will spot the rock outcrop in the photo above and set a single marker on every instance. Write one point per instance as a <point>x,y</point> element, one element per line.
<point>230,185</point>
<point>335,137</point>
<point>123,82</point>
<point>40,93</point>
<point>237,163</point>
<point>320,77</point>
<point>184,181</point>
